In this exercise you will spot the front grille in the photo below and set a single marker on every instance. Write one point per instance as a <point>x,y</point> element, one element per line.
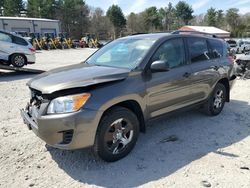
<point>67,136</point>
<point>36,98</point>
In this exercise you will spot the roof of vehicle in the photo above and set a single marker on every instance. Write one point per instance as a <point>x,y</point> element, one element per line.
<point>8,32</point>
<point>157,36</point>
<point>147,36</point>
<point>14,34</point>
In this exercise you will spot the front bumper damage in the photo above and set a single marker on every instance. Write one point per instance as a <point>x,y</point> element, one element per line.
<point>64,131</point>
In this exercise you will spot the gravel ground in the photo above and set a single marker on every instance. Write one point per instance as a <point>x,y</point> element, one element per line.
<point>184,150</point>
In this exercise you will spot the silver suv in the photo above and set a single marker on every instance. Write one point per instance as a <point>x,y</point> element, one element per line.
<point>15,50</point>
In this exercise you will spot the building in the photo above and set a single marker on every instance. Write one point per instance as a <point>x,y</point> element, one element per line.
<point>210,30</point>
<point>30,25</point>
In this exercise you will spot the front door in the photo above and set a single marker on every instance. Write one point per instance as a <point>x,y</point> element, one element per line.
<point>170,90</point>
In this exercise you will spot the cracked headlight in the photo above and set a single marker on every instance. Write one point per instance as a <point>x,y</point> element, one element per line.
<point>66,104</point>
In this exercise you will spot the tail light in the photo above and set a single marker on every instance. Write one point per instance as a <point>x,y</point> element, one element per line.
<point>33,50</point>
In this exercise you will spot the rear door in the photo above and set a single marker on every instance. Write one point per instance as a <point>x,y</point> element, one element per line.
<point>219,55</point>
<point>6,46</point>
<point>204,68</point>
<point>168,91</point>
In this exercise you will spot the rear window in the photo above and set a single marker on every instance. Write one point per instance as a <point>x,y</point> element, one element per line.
<point>19,41</point>
<point>198,49</point>
<point>216,48</point>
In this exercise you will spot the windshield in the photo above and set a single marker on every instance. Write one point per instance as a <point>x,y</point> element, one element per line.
<point>123,53</point>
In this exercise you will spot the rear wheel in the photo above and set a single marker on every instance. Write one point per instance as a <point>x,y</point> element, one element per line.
<point>18,60</point>
<point>216,101</point>
<point>117,134</point>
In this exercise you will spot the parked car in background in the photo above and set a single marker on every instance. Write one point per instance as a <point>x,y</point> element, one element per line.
<point>232,43</point>
<point>243,46</point>
<point>239,46</point>
<point>106,101</point>
<point>15,50</point>
<point>243,65</point>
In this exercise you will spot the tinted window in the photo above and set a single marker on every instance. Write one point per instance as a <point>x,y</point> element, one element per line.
<point>171,51</point>
<point>216,48</point>
<point>198,49</point>
<point>5,37</point>
<point>20,41</point>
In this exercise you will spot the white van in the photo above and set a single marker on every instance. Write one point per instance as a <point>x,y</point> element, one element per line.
<point>15,50</point>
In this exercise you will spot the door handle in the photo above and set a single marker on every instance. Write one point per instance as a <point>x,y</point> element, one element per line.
<point>186,74</point>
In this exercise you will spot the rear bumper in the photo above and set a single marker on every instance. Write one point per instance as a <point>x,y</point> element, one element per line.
<point>65,131</point>
<point>31,58</point>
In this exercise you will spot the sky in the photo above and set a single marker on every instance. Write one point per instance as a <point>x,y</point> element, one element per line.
<point>199,6</point>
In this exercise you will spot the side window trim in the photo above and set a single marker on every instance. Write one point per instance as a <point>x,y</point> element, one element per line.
<point>187,53</point>
<point>210,50</point>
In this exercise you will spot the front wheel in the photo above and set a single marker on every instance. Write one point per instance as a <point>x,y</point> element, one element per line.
<point>18,60</point>
<point>216,101</point>
<point>117,134</point>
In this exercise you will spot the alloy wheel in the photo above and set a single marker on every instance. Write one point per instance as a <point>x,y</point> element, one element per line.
<point>218,99</point>
<point>119,135</point>
<point>19,60</point>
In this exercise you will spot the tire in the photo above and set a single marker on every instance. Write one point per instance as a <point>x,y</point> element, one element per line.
<point>216,101</point>
<point>18,60</point>
<point>117,134</point>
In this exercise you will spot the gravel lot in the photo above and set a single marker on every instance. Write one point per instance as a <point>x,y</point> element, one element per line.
<point>205,151</point>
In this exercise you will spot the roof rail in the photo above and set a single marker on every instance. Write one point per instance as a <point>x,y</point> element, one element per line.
<point>138,33</point>
<point>194,32</point>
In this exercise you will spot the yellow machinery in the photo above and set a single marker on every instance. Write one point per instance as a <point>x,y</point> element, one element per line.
<point>50,37</point>
<point>35,39</point>
<point>66,42</point>
<point>91,40</point>
<point>49,41</point>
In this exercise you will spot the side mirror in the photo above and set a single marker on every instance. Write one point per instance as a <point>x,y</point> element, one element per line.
<point>159,66</point>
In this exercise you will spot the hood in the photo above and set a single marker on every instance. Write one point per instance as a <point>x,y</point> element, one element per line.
<point>73,76</point>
